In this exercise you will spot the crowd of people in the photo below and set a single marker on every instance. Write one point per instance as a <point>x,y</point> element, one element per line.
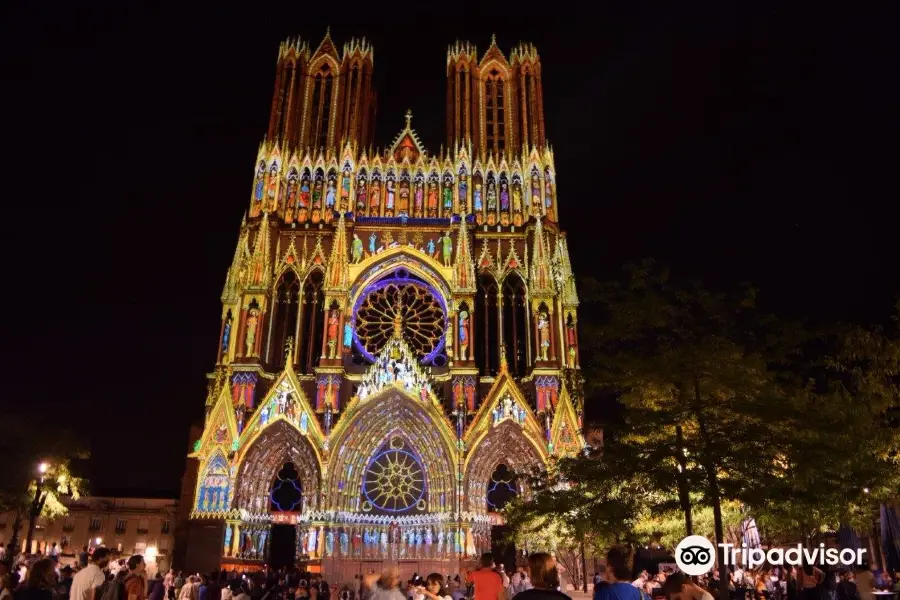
<point>766,583</point>
<point>99,577</point>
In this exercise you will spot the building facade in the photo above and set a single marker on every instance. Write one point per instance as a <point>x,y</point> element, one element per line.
<point>398,344</point>
<point>126,526</point>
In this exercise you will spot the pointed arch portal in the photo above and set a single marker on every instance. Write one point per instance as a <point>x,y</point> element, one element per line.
<point>392,427</point>
<point>258,472</point>
<point>505,444</point>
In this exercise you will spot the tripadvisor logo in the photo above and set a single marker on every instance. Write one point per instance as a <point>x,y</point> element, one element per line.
<point>696,555</point>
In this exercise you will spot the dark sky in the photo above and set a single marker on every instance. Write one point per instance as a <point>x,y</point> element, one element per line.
<point>734,144</point>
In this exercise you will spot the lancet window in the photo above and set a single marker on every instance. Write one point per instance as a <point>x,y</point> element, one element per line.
<point>311,322</point>
<point>488,341</point>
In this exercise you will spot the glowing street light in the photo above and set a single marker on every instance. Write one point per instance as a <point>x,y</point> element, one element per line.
<point>43,467</point>
<point>99,540</point>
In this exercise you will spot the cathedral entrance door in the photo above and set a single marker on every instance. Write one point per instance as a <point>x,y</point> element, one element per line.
<point>282,545</point>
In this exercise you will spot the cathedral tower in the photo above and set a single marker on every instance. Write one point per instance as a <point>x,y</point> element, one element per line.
<point>494,104</point>
<point>398,343</point>
<point>323,99</point>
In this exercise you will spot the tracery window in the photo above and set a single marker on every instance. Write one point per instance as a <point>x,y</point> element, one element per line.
<point>287,491</point>
<point>323,88</point>
<point>501,488</point>
<point>486,316</point>
<point>286,309</point>
<point>495,119</point>
<point>515,324</point>
<point>311,322</point>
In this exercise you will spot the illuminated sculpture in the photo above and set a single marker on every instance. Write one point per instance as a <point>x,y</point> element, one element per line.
<point>399,328</point>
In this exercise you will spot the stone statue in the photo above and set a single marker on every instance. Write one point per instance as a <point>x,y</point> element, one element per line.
<point>332,332</point>
<point>329,195</point>
<point>373,239</point>
<point>375,199</point>
<point>448,198</point>
<point>226,334</point>
<point>544,334</point>
<point>418,197</point>
<point>430,248</point>
<point>390,195</point>
<point>252,321</point>
<point>345,543</point>
<point>463,332</point>
<point>447,248</point>
<point>476,198</point>
<point>432,198</point>
<point>504,197</point>
<point>304,422</point>
<point>356,249</point>
<point>348,336</point>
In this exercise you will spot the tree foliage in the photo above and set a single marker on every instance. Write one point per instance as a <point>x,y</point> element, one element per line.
<point>728,412</point>
<point>28,443</point>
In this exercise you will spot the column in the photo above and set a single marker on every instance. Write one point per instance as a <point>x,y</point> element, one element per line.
<point>242,329</point>
<point>236,541</point>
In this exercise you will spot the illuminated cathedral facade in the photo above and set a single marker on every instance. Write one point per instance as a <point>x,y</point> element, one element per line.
<point>398,344</point>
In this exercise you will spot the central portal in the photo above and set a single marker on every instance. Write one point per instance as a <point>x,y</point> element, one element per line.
<point>282,546</point>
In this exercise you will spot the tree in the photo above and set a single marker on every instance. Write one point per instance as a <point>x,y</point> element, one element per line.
<point>28,490</point>
<point>843,455</point>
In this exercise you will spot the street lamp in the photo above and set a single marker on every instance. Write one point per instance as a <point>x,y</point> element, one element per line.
<point>37,503</point>
<point>98,541</point>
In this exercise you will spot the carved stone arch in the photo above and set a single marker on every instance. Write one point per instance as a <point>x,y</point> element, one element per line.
<point>505,443</point>
<point>275,445</point>
<point>365,430</point>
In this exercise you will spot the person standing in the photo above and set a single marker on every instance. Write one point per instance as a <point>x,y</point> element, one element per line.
<point>618,577</point>
<point>544,579</point>
<point>135,582</point>
<point>679,585</point>
<point>487,581</point>
<point>865,582</point>
<point>91,576</point>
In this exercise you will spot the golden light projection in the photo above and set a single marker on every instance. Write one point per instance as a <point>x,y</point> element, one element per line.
<point>395,480</point>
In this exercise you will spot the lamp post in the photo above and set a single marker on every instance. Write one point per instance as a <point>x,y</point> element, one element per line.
<point>37,503</point>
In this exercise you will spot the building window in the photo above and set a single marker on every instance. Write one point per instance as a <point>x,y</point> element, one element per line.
<point>120,525</point>
<point>165,527</point>
<point>495,119</point>
<point>95,524</point>
<point>143,526</point>
<point>69,525</point>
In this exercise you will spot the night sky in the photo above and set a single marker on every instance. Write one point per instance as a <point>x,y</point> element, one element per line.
<point>730,143</point>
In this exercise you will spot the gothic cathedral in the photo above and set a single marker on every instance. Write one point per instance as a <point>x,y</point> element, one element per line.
<point>399,339</point>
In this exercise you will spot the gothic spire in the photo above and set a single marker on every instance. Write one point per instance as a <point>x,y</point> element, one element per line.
<point>541,281</point>
<point>463,267</point>
<point>260,263</point>
<point>338,272</point>
<point>235,279</point>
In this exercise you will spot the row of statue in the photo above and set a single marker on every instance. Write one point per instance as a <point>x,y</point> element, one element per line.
<point>368,542</point>
<point>300,196</point>
<point>358,252</point>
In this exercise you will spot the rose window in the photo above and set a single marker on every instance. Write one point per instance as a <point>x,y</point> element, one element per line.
<point>394,481</point>
<point>407,305</point>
